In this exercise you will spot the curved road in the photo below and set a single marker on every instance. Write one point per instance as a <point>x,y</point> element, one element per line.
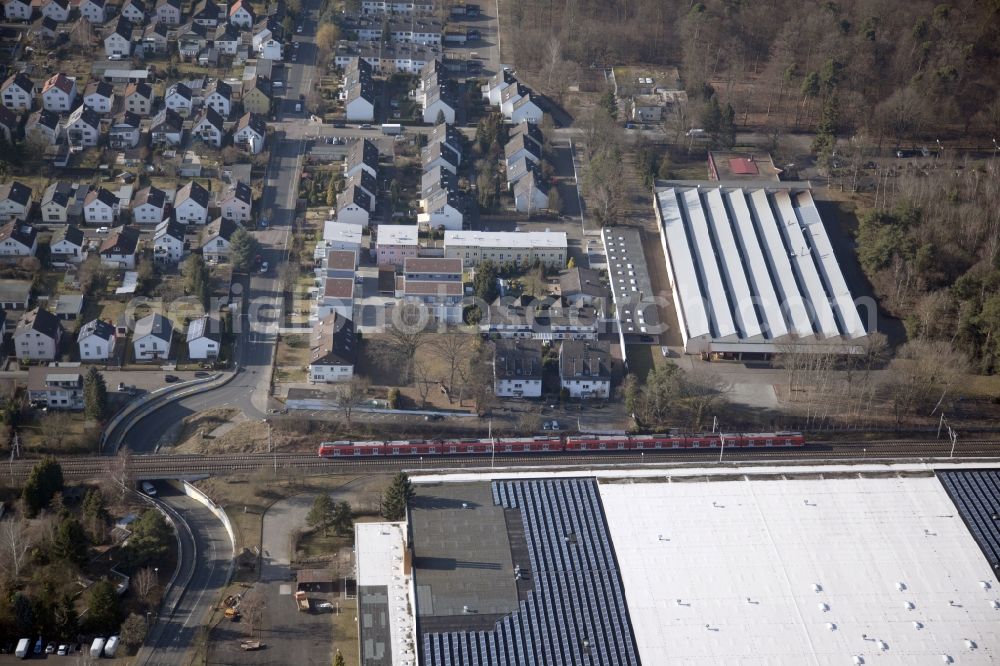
<point>206,556</point>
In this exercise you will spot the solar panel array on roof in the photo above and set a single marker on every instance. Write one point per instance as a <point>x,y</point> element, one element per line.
<point>576,612</point>
<point>976,494</point>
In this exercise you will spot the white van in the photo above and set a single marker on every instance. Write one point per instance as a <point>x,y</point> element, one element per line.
<point>97,647</point>
<point>23,648</point>
<point>150,490</point>
<point>111,647</point>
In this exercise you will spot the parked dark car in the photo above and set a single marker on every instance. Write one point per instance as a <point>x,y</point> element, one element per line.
<point>170,379</point>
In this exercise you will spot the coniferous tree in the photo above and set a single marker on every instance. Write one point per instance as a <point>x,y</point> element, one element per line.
<point>95,395</point>
<point>397,497</point>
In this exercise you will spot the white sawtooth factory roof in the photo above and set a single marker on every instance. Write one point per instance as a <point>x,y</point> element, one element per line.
<point>752,268</point>
<point>806,571</point>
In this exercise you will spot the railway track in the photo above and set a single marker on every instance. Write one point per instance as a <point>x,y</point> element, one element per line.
<point>167,465</point>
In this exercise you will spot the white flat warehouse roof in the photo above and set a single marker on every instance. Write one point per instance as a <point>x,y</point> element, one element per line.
<point>758,261</point>
<point>824,571</point>
<point>555,240</point>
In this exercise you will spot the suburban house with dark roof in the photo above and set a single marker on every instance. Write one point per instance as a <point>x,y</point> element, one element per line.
<point>215,239</point>
<point>66,245</point>
<point>139,98</point>
<point>118,39</point>
<point>168,12</point>
<point>83,127</point>
<point>149,205</point>
<point>118,249</point>
<point>44,126</point>
<point>167,128</point>
<point>517,368</point>
<point>99,96</point>
<point>96,340</point>
<point>168,242</point>
<point>18,239</point>
<point>207,13</point>
<point>57,10</point>
<point>134,11</point>
<point>15,201</point>
<point>257,95</point>
<point>362,154</point>
<point>56,386</point>
<point>100,207</point>
<point>209,127</point>
<point>58,93</point>
<point>353,206</point>
<point>152,337</point>
<point>95,11</point>
<point>241,15</point>
<point>18,92</point>
<point>37,336</point>
<point>17,10</point>
<point>56,202</point>
<point>179,98</point>
<point>219,96</point>
<point>585,368</point>
<point>530,194</point>
<point>332,350</point>
<point>249,133</point>
<point>191,204</point>
<point>204,337</point>
<point>237,202</point>
<point>124,132</point>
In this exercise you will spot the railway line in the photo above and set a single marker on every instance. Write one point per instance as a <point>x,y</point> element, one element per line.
<point>169,466</point>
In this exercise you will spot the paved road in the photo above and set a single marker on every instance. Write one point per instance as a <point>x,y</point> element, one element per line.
<point>206,557</point>
<point>261,306</point>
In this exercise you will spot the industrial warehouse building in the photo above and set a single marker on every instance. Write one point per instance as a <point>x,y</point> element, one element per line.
<point>752,270</point>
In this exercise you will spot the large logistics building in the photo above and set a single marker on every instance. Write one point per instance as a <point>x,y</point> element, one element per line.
<point>752,270</point>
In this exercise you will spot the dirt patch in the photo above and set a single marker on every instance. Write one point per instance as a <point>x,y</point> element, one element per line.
<point>221,431</point>
<point>293,358</point>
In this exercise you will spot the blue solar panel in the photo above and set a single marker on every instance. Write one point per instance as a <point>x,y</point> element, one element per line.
<point>575,613</point>
<point>976,494</point>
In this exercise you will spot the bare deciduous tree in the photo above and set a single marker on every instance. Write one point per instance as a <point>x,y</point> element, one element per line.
<point>423,381</point>
<point>145,584</point>
<point>405,341</point>
<point>121,474</point>
<point>452,348</point>
<point>15,542</point>
<point>350,395</point>
<point>252,607</point>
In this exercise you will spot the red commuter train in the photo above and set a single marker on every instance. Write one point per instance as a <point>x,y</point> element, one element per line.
<point>555,444</point>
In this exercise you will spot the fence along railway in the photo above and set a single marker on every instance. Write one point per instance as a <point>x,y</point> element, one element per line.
<point>157,466</point>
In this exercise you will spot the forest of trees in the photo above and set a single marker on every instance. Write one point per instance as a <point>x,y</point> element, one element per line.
<point>897,69</point>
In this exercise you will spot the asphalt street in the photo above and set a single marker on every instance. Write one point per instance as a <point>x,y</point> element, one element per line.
<point>261,307</point>
<point>205,560</point>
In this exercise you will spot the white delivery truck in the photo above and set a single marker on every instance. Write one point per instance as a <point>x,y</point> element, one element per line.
<point>392,129</point>
<point>23,648</point>
<point>97,647</point>
<point>111,647</point>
